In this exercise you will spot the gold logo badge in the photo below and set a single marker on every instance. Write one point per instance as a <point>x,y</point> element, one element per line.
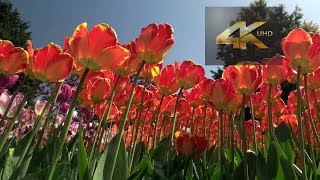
<point>245,35</point>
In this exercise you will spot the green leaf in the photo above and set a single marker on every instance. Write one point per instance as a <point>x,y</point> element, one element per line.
<point>12,160</point>
<point>261,167</point>
<point>104,165</point>
<point>82,162</point>
<point>284,138</point>
<point>138,154</point>
<point>62,171</point>
<point>272,161</point>
<point>98,174</point>
<point>164,148</point>
<point>287,169</point>
<point>318,172</point>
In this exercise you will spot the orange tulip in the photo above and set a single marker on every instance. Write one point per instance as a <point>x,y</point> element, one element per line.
<point>154,43</point>
<point>248,127</point>
<point>194,96</point>
<point>206,89</point>
<point>189,74</point>
<point>98,89</point>
<point>149,71</point>
<point>131,65</point>
<point>301,49</point>
<point>275,70</point>
<point>245,77</point>
<point>313,81</point>
<point>114,112</point>
<point>50,63</point>
<point>13,60</point>
<point>188,143</point>
<point>95,49</point>
<point>166,81</point>
<point>222,93</point>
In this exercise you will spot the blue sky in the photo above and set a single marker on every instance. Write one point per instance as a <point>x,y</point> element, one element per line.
<point>52,21</point>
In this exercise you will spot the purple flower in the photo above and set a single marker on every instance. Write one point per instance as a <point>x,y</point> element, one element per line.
<point>39,107</point>
<point>64,107</point>
<point>59,120</point>
<point>6,82</point>
<point>65,93</point>
<point>4,102</point>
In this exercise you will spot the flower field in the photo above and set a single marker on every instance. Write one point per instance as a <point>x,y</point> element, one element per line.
<point>130,117</point>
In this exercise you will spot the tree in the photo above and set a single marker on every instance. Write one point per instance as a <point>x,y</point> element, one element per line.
<point>279,21</point>
<point>12,27</point>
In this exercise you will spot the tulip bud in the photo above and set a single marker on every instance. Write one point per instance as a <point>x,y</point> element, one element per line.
<point>4,102</point>
<point>6,82</point>
<point>39,107</point>
<point>64,107</point>
<point>65,93</point>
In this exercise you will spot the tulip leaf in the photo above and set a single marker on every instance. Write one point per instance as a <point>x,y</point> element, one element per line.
<point>13,158</point>
<point>138,154</point>
<point>318,172</point>
<point>261,167</point>
<point>82,161</point>
<point>164,148</point>
<point>284,138</point>
<point>104,165</point>
<point>287,169</point>
<point>272,161</point>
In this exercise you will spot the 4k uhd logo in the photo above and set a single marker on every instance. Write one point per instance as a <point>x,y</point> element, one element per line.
<point>245,35</point>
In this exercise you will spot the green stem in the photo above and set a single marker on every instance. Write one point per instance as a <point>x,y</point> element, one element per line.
<point>270,124</point>
<point>137,130</point>
<point>66,127</point>
<point>56,91</point>
<point>123,120</point>
<point>314,130</point>
<point>254,127</point>
<point>316,105</point>
<point>53,97</point>
<point>221,146</point>
<point>244,141</point>
<point>173,127</point>
<point>15,116</point>
<point>156,122</point>
<point>232,139</point>
<point>301,146</point>
<point>192,120</point>
<point>5,114</point>
<point>104,117</point>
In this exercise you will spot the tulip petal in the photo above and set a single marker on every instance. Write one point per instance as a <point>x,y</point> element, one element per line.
<point>101,36</point>
<point>113,56</point>
<point>59,68</point>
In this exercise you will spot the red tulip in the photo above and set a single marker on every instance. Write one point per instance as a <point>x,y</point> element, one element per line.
<point>194,96</point>
<point>131,65</point>
<point>50,63</point>
<point>301,49</point>
<point>154,43</point>
<point>13,59</point>
<point>313,81</point>
<point>149,71</point>
<point>95,49</point>
<point>275,70</point>
<point>166,81</point>
<point>188,143</point>
<point>189,74</point>
<point>122,84</point>
<point>222,93</point>
<point>98,89</point>
<point>245,77</point>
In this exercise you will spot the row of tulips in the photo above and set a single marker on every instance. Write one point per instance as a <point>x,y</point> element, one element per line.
<point>125,100</point>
